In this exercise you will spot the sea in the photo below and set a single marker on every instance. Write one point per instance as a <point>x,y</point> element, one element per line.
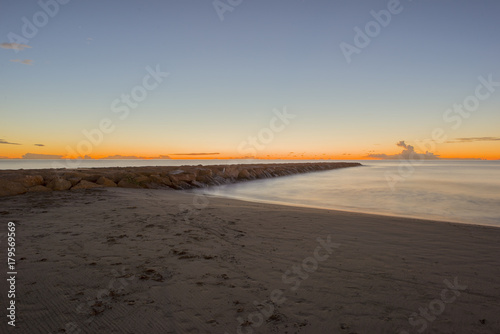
<point>462,191</point>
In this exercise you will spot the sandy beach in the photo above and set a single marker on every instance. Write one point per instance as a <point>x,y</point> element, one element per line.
<point>115,260</point>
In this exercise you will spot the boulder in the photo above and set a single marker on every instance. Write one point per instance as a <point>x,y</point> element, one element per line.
<point>231,171</point>
<point>91,177</point>
<point>117,176</point>
<point>244,174</point>
<point>198,184</point>
<point>31,180</point>
<point>74,180</point>
<point>218,180</point>
<point>142,179</point>
<point>75,175</point>
<point>161,180</point>
<point>38,189</point>
<point>182,177</point>
<point>204,172</point>
<point>59,184</point>
<point>105,182</point>
<point>260,173</point>
<point>83,184</point>
<point>9,188</point>
<point>205,179</point>
<point>128,183</point>
<point>184,185</point>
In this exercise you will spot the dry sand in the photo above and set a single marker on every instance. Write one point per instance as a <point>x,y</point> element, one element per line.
<point>155,261</point>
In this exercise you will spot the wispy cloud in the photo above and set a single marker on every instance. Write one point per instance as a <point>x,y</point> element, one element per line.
<point>14,46</point>
<point>25,61</point>
<point>39,145</point>
<point>6,142</point>
<point>407,154</point>
<point>124,157</point>
<point>133,157</point>
<point>41,156</point>
<point>195,153</point>
<point>472,139</point>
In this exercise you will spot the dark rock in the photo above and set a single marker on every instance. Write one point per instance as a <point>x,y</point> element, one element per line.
<point>9,188</point>
<point>59,184</point>
<point>86,185</point>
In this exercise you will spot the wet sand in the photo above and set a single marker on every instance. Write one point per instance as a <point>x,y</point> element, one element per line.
<point>116,260</point>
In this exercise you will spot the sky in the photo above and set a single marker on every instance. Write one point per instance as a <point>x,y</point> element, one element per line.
<point>279,79</point>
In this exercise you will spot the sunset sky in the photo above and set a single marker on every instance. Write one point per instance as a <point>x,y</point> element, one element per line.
<point>251,78</point>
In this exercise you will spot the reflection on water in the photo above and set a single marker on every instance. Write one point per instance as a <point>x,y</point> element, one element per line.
<point>459,191</point>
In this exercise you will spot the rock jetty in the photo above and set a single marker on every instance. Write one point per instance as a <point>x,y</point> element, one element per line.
<point>15,182</point>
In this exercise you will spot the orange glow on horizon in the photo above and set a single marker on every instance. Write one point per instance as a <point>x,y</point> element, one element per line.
<point>487,150</point>
<point>464,154</point>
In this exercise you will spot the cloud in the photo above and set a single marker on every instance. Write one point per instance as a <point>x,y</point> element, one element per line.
<point>39,145</point>
<point>134,157</point>
<point>24,62</point>
<point>401,144</point>
<point>6,142</point>
<point>408,153</point>
<point>124,157</point>
<point>41,156</point>
<point>14,46</point>
<point>195,153</point>
<point>472,139</point>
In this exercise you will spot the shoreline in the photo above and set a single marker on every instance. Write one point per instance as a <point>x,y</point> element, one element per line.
<point>280,203</point>
<point>118,260</point>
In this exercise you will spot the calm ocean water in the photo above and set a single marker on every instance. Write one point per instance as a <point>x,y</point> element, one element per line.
<point>457,191</point>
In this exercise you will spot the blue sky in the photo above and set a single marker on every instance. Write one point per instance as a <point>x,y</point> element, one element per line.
<point>226,77</point>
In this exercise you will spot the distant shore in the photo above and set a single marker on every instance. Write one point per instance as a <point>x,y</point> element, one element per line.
<point>141,260</point>
<point>166,177</point>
